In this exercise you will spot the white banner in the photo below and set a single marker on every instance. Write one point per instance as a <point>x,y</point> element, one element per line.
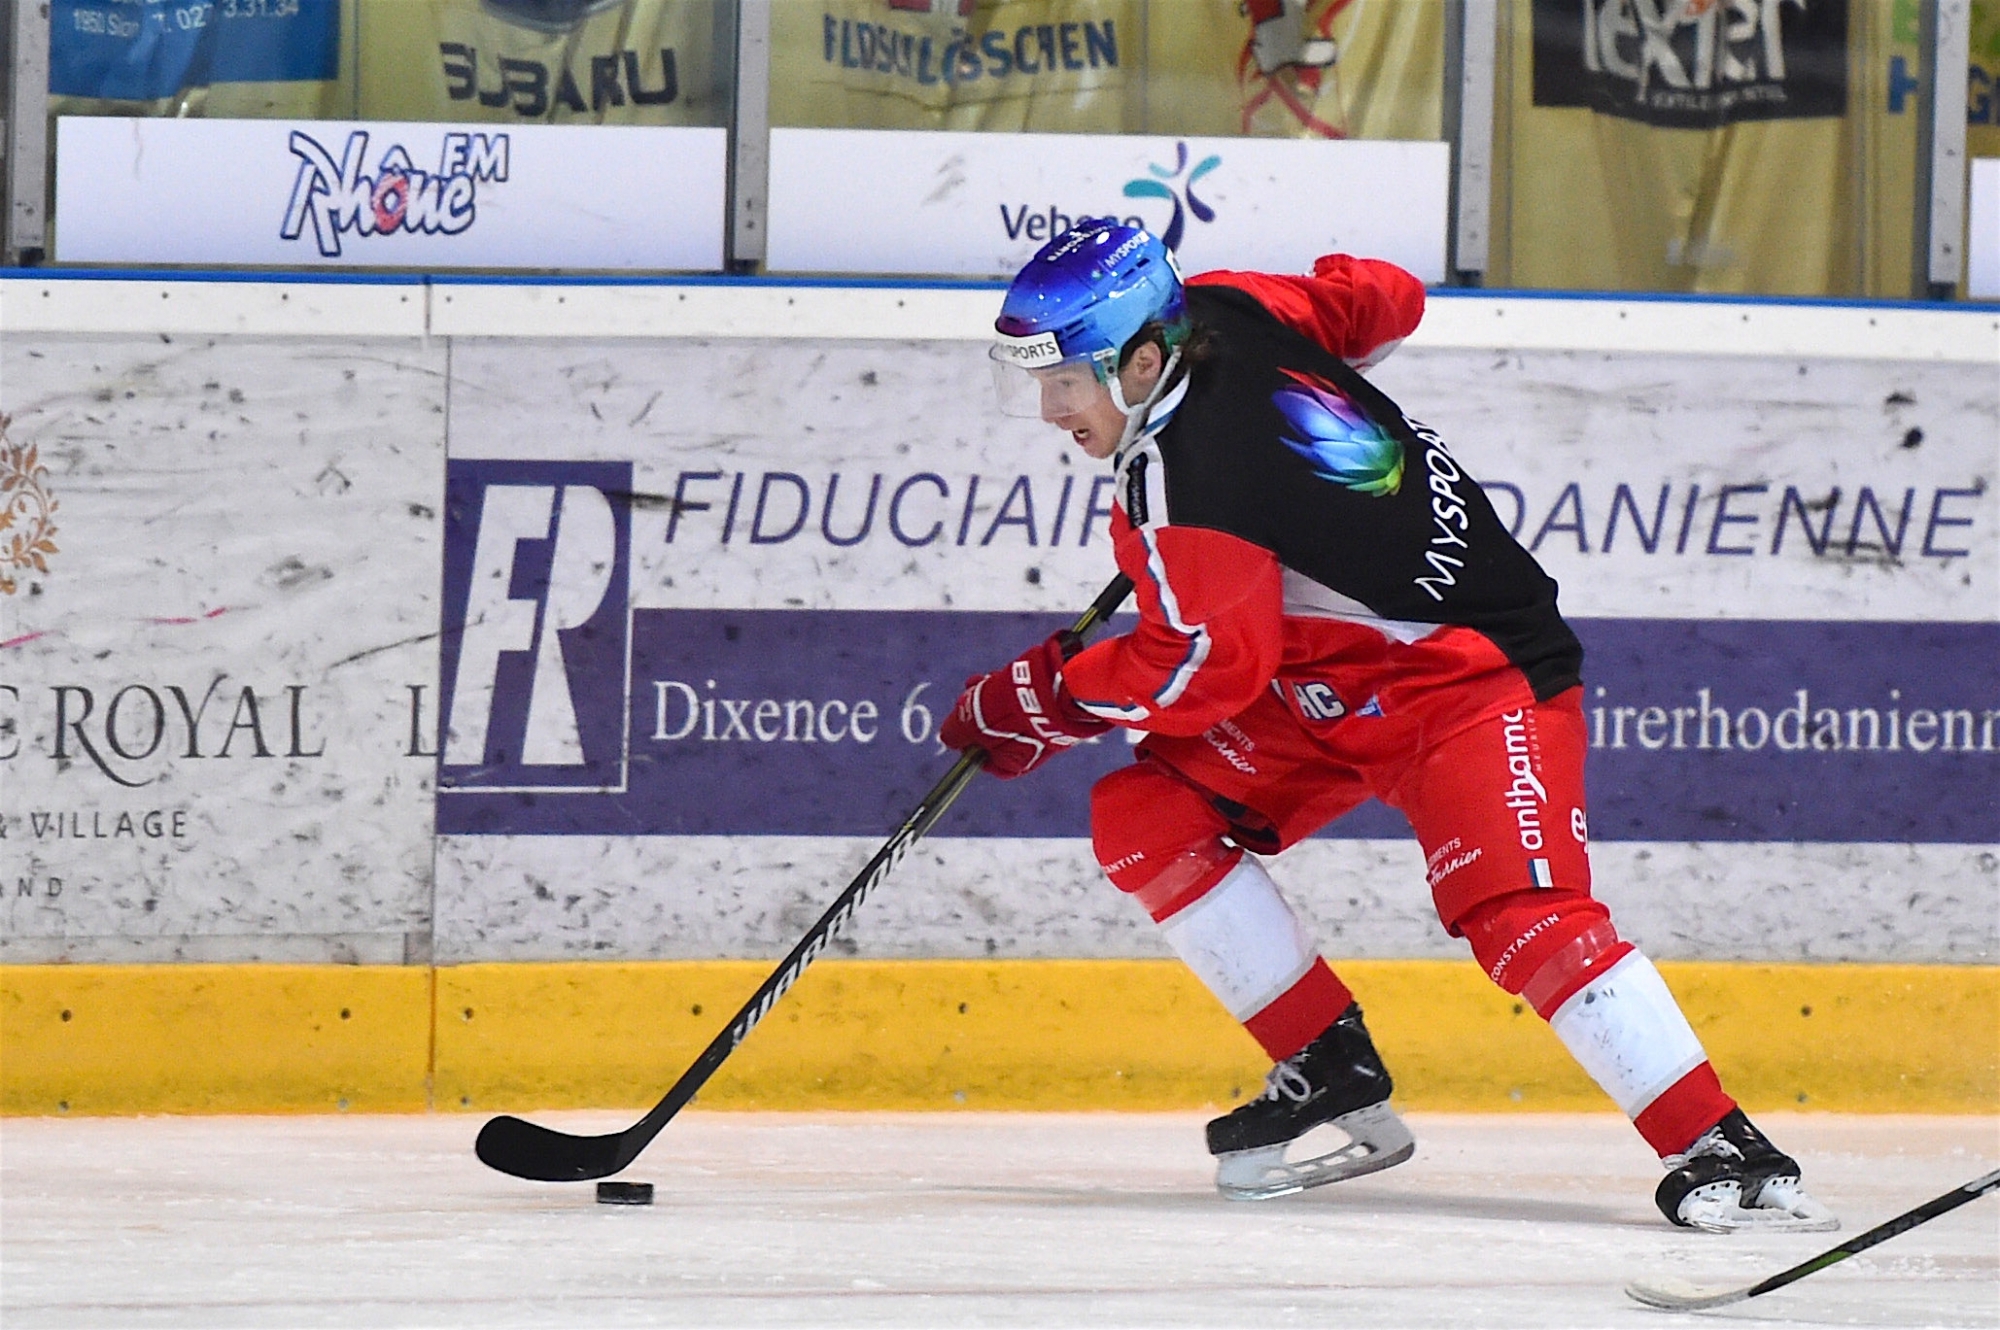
<point>388,194</point>
<point>1719,489</point>
<point>979,205</point>
<point>215,670</point>
<point>1982,240</point>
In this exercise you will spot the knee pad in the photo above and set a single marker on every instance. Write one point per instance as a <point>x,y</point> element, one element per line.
<point>1157,838</point>
<point>1543,945</point>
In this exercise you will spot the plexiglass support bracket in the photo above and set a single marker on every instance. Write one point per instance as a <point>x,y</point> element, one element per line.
<point>750,136</point>
<point>1940,193</point>
<point>27,132</point>
<point>1472,30</point>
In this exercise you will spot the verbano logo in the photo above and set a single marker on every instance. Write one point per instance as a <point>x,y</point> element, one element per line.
<point>1693,63</point>
<point>537,569</point>
<point>343,196</point>
<point>1168,184</point>
<point>1047,224</point>
<point>1175,184</point>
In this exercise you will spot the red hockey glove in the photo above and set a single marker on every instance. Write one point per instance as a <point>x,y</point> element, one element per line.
<point>1021,715</point>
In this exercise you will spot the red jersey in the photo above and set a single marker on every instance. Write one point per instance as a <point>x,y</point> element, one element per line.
<point>1288,527</point>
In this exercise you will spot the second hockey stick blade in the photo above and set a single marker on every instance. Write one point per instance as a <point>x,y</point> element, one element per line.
<point>543,1154</point>
<point>1679,1295</point>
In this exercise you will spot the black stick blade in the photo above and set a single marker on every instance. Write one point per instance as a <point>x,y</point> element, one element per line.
<point>527,1151</point>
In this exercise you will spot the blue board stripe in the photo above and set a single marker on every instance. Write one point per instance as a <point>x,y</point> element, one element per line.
<point>818,723</point>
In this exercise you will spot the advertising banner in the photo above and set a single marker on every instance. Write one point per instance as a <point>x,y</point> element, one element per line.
<point>694,628</point>
<point>979,205</point>
<point>388,194</point>
<point>1308,69</point>
<point>1693,65</point>
<point>1982,232</point>
<point>1029,65</point>
<point>694,657</point>
<point>613,62</point>
<point>218,607</point>
<point>141,50</point>
<point>1719,147</point>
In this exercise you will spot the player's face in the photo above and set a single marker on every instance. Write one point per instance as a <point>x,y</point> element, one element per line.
<point>1074,400</point>
<point>1093,419</point>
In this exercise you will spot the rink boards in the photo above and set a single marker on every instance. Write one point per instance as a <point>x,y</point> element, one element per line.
<point>625,642</point>
<point>933,1035</point>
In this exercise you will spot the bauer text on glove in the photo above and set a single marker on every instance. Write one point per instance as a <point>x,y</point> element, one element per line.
<point>1021,715</point>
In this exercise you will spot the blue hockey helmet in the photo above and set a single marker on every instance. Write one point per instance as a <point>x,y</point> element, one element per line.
<point>1075,305</point>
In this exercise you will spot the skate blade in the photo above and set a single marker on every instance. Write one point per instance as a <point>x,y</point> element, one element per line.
<point>1782,1207</point>
<point>1377,1140</point>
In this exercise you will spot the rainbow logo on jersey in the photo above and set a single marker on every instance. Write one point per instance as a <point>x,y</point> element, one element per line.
<point>1337,437</point>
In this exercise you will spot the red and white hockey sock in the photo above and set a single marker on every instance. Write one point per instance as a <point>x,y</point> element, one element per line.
<point>1626,1030</point>
<point>1161,842</point>
<point>1243,940</point>
<point>1607,1004</point>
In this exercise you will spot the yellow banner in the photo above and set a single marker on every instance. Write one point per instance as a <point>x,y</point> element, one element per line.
<point>943,64</point>
<point>1809,207</point>
<point>613,62</point>
<point>1274,68</point>
<point>1982,93</point>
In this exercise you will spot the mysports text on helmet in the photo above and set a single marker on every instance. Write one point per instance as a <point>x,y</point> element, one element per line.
<point>1087,293</point>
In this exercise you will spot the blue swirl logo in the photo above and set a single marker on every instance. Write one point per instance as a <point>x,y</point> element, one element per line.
<point>1161,185</point>
<point>1337,437</point>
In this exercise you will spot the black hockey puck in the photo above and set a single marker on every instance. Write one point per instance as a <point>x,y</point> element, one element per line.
<point>624,1193</point>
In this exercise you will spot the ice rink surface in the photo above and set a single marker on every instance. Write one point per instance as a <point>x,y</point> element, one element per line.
<point>944,1220</point>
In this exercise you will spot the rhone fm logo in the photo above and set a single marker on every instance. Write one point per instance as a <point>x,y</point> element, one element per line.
<point>343,195</point>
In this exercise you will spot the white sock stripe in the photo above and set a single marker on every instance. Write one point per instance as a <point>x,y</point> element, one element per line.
<point>1242,940</point>
<point>1256,1004</point>
<point>1625,1029</point>
<point>1643,1100</point>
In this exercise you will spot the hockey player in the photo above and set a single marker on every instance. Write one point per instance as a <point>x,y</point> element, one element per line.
<point>1329,610</point>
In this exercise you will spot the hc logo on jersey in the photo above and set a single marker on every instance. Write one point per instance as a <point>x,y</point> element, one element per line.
<point>1318,702</point>
<point>537,563</point>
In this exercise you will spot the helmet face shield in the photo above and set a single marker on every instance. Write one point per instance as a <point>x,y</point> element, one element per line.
<point>1069,314</point>
<point>1057,390</point>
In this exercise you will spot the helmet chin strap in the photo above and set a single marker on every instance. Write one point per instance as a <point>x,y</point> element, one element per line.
<point>1135,416</point>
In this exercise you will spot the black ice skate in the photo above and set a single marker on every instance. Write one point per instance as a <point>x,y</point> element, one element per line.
<point>1732,1179</point>
<point>1336,1080</point>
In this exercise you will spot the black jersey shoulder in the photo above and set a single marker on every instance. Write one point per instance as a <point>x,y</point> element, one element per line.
<point>1280,442</point>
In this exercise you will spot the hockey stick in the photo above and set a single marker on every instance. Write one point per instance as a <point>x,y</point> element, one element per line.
<point>1678,1295</point>
<point>525,1150</point>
